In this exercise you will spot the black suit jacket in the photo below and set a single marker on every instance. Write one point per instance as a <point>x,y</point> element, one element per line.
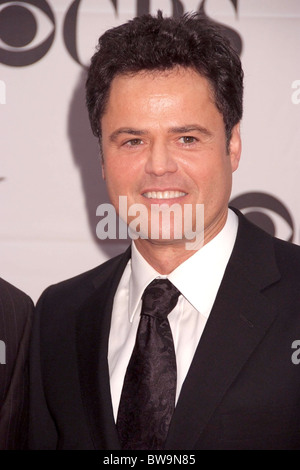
<point>16,310</point>
<point>242,390</point>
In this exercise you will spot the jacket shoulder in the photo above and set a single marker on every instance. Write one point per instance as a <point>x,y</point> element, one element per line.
<point>15,305</point>
<point>10,292</point>
<point>288,257</point>
<point>74,290</point>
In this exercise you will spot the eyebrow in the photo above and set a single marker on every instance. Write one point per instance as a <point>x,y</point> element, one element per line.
<point>126,130</point>
<point>191,128</point>
<point>173,130</point>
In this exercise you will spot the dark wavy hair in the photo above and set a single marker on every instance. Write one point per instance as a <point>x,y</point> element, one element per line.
<point>158,43</point>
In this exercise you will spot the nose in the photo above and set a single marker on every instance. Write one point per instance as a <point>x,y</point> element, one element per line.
<point>160,160</point>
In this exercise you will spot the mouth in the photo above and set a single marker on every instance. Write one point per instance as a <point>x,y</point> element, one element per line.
<point>169,194</point>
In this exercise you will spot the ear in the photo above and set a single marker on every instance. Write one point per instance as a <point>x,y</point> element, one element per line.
<point>102,159</point>
<point>235,147</point>
<point>103,170</point>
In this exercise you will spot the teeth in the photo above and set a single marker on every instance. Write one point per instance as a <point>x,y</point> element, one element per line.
<point>163,194</point>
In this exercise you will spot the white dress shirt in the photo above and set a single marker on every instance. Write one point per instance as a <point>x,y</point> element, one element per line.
<point>198,279</point>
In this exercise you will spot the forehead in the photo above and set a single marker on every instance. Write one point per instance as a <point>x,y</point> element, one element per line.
<point>159,76</point>
<point>153,90</point>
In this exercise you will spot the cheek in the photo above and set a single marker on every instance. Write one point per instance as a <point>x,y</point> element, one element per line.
<point>202,170</point>
<point>121,168</point>
<point>211,176</point>
<point>119,178</point>
<point>221,183</point>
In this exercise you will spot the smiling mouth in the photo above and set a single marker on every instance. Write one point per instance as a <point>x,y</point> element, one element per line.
<point>164,194</point>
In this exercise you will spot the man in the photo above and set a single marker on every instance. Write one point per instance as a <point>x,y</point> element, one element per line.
<point>15,326</point>
<point>165,100</point>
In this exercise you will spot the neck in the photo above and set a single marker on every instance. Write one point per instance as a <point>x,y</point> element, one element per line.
<point>166,256</point>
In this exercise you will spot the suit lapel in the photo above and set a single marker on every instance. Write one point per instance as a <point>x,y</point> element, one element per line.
<point>92,333</point>
<point>240,318</point>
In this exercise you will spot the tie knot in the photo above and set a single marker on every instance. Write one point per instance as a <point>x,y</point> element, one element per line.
<point>159,298</point>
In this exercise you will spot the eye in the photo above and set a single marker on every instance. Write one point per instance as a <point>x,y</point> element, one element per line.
<point>133,142</point>
<point>267,212</point>
<point>26,32</point>
<point>187,139</point>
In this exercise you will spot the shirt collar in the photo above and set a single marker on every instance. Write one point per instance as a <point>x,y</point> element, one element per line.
<point>142,274</point>
<point>198,278</point>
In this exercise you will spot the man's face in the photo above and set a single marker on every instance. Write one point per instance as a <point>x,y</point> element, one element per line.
<point>163,141</point>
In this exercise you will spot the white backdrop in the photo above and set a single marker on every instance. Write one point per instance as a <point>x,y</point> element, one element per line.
<point>50,179</point>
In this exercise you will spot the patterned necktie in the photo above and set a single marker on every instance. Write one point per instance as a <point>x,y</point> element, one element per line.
<point>148,396</point>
